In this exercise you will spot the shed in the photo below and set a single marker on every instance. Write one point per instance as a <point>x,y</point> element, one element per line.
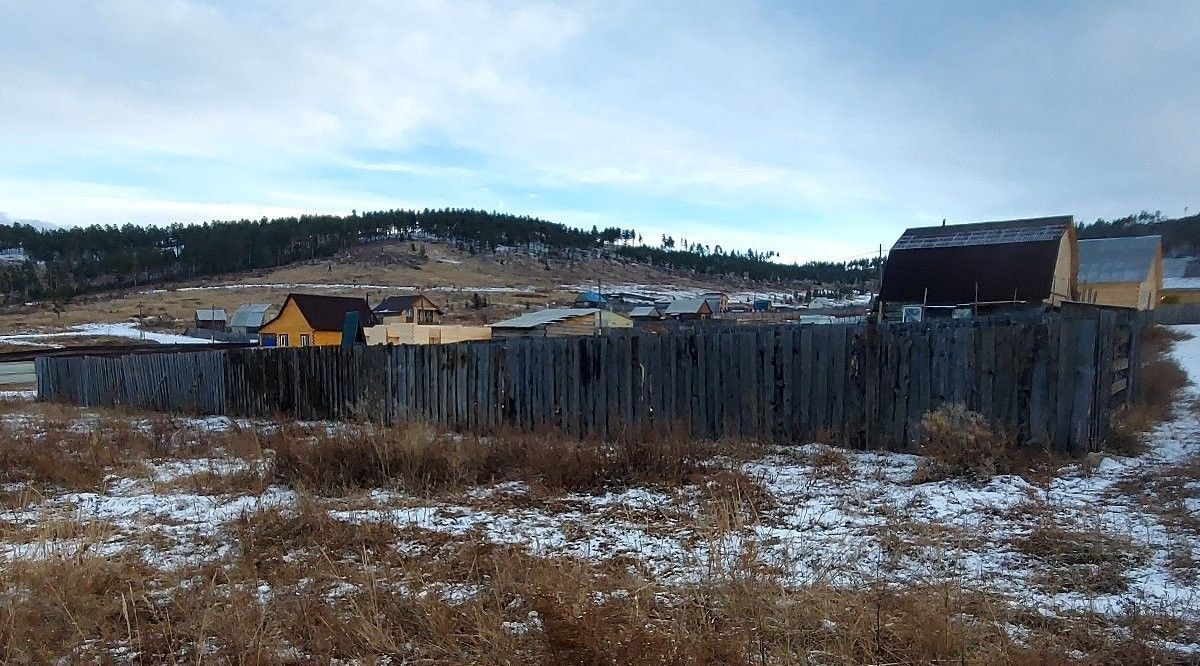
<point>1177,267</point>
<point>591,299</point>
<point>1124,272</point>
<point>1181,280</point>
<point>408,309</point>
<point>248,318</point>
<point>718,301</point>
<point>1009,263</point>
<point>560,322</point>
<point>315,320</point>
<point>211,319</point>
<point>689,308</point>
<point>645,312</point>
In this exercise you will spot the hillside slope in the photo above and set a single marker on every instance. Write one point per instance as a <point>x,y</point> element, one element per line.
<point>511,283</point>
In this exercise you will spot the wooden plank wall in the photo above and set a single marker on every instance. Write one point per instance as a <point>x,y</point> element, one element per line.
<point>190,382</point>
<point>1177,313</point>
<point>1054,381</point>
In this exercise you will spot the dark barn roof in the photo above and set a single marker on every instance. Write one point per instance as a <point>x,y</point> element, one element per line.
<point>396,304</point>
<point>326,313</point>
<point>1003,258</point>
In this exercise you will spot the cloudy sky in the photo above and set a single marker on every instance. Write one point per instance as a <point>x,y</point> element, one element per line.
<point>814,129</point>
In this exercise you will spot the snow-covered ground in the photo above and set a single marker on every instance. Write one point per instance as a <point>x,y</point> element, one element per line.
<point>838,517</point>
<point>651,293</point>
<point>120,330</point>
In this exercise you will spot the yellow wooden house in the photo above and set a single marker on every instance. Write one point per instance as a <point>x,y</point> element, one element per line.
<point>311,320</point>
<point>1124,272</point>
<point>408,309</point>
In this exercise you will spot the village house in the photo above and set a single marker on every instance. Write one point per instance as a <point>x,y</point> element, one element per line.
<point>645,313</point>
<point>688,309</point>
<point>1124,272</point>
<point>591,299</point>
<point>211,319</point>
<point>718,301</point>
<point>966,269</point>
<point>249,318</point>
<point>561,322</point>
<point>315,320</point>
<point>408,309</point>
<point>1181,280</point>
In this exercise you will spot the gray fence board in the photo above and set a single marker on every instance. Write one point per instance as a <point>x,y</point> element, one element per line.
<point>1054,381</point>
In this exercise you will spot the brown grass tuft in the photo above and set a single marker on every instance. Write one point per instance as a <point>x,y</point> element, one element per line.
<point>1092,562</point>
<point>956,442</point>
<point>417,460</point>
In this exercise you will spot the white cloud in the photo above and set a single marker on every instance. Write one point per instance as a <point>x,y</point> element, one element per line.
<point>852,122</point>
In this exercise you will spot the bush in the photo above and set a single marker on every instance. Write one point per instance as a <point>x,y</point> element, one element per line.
<point>957,442</point>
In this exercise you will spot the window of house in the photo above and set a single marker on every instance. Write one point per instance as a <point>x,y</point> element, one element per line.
<point>303,339</point>
<point>426,316</point>
<point>283,339</point>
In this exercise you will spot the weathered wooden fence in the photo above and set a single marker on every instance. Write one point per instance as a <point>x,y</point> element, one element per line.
<point>1053,381</point>
<point>1177,313</point>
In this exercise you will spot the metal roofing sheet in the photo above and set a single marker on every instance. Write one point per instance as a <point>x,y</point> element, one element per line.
<point>543,317</point>
<point>1030,230</point>
<point>686,306</point>
<point>1107,260</point>
<point>210,314</point>
<point>250,315</point>
<point>1177,267</point>
<point>644,311</point>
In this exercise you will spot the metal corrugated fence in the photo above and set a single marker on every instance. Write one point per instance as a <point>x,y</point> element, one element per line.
<point>1054,381</point>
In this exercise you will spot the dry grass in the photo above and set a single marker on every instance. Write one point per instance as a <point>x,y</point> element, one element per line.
<point>957,442</point>
<point>1160,381</point>
<point>417,460</point>
<point>1170,493</point>
<point>1091,562</point>
<point>303,589</point>
<point>300,586</point>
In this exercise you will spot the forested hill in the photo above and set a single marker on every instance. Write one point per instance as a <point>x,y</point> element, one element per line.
<point>1180,236</point>
<point>63,262</point>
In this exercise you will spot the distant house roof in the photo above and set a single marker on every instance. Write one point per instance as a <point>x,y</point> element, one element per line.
<point>210,314</point>
<point>1126,259</point>
<point>591,297</point>
<point>645,311</point>
<point>544,317</point>
<point>250,315</point>
<point>1181,284</point>
<point>393,305</point>
<point>327,313</point>
<point>949,265</point>
<point>1178,267</point>
<point>689,306</point>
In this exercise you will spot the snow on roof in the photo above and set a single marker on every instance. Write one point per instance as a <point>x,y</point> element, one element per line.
<point>1181,283</point>
<point>1111,260</point>
<point>543,317</point>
